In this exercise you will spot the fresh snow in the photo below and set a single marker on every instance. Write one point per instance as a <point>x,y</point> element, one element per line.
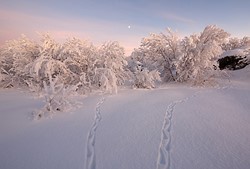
<point>175,127</point>
<point>244,51</point>
<point>235,52</point>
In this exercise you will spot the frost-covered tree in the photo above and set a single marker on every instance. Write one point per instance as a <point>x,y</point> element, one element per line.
<point>80,57</point>
<point>146,79</point>
<point>141,77</point>
<point>112,56</point>
<point>231,44</point>
<point>200,53</point>
<point>57,98</point>
<point>74,62</point>
<point>106,80</point>
<point>15,56</point>
<point>236,43</point>
<point>186,63</point>
<point>49,62</point>
<point>160,51</point>
<point>245,42</point>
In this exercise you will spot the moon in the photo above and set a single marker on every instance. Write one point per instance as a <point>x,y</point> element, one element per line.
<point>129,26</point>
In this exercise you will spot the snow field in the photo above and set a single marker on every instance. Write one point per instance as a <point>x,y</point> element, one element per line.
<point>171,127</point>
<point>213,133</point>
<point>50,143</point>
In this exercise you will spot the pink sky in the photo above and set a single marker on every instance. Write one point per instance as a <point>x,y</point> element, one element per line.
<point>96,31</point>
<point>99,21</point>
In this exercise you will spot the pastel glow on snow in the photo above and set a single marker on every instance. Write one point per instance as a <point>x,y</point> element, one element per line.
<point>101,21</point>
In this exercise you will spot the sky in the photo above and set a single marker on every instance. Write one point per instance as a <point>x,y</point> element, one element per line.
<point>125,21</point>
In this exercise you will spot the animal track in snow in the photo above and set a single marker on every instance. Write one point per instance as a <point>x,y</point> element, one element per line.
<point>163,160</point>
<point>90,158</point>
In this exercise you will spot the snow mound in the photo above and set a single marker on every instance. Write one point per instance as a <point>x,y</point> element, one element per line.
<point>244,51</point>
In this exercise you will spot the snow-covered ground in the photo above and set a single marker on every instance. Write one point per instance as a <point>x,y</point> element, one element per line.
<point>173,127</point>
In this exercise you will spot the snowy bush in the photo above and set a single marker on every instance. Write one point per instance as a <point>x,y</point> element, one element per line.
<point>111,56</point>
<point>14,56</point>
<point>106,80</point>
<point>48,61</point>
<point>159,51</point>
<point>236,43</point>
<point>199,55</point>
<point>57,98</point>
<point>146,79</point>
<point>80,57</point>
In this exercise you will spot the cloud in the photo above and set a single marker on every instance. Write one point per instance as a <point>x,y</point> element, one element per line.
<point>174,17</point>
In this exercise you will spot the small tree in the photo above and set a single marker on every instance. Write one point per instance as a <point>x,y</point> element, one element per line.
<point>236,43</point>
<point>111,56</point>
<point>106,80</point>
<point>80,57</point>
<point>57,98</point>
<point>200,55</point>
<point>48,62</point>
<point>146,79</point>
<point>160,51</point>
<point>15,55</point>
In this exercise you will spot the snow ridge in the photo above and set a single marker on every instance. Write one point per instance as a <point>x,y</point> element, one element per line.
<point>163,160</point>
<point>90,158</point>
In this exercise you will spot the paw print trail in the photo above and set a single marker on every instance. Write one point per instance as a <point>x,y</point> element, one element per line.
<point>164,160</point>
<point>90,158</point>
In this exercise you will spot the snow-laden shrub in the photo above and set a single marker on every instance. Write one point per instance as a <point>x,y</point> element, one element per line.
<point>236,43</point>
<point>15,55</point>
<point>48,62</point>
<point>146,79</point>
<point>199,55</point>
<point>106,80</point>
<point>57,98</point>
<point>112,56</point>
<point>159,51</point>
<point>80,57</point>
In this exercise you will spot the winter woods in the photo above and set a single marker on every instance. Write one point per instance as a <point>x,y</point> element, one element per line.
<point>162,57</point>
<point>191,59</point>
<point>25,63</point>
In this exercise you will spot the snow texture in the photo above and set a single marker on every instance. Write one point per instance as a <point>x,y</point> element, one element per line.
<point>173,127</point>
<point>235,52</point>
<point>164,161</point>
<point>90,149</point>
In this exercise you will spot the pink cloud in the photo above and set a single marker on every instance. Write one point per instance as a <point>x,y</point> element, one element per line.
<point>174,17</point>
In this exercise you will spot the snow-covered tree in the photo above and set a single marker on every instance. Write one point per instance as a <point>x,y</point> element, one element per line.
<point>236,43</point>
<point>111,56</point>
<point>80,57</point>
<point>15,55</point>
<point>231,44</point>
<point>57,98</point>
<point>245,42</point>
<point>160,51</point>
<point>186,63</point>
<point>106,80</point>
<point>49,62</point>
<point>146,79</point>
<point>200,53</point>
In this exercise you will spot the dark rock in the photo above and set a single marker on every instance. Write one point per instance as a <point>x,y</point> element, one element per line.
<point>233,62</point>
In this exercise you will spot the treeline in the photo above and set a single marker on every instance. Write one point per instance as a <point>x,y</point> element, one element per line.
<point>160,57</point>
